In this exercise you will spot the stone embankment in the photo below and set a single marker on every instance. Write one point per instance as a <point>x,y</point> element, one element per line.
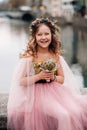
<point>75,21</point>
<point>79,22</point>
<point>3,108</point>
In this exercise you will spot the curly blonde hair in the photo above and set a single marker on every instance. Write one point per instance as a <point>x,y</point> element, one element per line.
<point>32,46</point>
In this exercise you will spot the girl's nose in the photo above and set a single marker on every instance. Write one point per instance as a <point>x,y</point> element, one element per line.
<point>43,37</point>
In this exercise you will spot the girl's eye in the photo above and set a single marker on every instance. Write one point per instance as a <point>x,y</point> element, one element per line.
<point>46,33</point>
<point>39,34</point>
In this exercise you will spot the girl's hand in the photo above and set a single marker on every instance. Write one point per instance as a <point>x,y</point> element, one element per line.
<point>46,75</point>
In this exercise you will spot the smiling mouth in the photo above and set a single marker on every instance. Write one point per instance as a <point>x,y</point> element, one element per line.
<point>44,41</point>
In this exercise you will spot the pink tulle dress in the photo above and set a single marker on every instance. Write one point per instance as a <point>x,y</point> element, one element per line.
<point>45,106</point>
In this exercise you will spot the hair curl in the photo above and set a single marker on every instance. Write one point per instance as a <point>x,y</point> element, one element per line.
<point>32,46</point>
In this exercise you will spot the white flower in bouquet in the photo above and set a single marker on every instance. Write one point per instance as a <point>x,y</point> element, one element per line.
<point>49,65</point>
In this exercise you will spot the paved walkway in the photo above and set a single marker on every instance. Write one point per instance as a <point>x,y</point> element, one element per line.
<point>3,110</point>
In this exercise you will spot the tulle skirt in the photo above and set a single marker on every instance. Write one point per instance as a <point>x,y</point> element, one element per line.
<point>55,107</point>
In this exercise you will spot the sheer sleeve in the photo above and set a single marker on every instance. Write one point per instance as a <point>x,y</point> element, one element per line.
<point>69,78</point>
<point>19,93</point>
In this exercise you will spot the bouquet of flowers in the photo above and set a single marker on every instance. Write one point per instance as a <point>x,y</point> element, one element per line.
<point>49,65</point>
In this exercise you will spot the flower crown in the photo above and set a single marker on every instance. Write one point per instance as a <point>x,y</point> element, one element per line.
<point>47,21</point>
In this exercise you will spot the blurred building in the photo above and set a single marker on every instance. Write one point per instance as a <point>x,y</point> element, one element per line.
<point>9,4</point>
<point>15,3</point>
<point>83,3</point>
<point>55,8</point>
<point>68,9</point>
<point>3,4</point>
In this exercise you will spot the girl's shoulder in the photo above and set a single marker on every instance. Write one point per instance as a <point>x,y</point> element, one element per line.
<point>26,57</point>
<point>57,57</point>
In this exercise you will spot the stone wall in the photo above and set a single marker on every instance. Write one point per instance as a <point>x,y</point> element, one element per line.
<point>3,110</point>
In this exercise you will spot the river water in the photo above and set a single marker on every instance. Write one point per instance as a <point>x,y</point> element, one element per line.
<point>14,36</point>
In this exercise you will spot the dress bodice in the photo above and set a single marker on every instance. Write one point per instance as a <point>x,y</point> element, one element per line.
<point>37,67</point>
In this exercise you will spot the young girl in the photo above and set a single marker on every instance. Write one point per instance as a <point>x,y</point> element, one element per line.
<point>42,99</point>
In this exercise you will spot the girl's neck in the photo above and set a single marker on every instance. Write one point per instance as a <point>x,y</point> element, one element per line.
<point>43,50</point>
<point>44,54</point>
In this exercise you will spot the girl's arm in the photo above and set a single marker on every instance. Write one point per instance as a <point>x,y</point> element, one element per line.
<point>29,80</point>
<point>25,79</point>
<point>43,75</point>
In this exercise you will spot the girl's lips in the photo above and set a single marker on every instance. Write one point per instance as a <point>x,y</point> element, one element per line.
<point>44,41</point>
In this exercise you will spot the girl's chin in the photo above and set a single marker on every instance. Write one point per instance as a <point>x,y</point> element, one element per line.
<point>44,46</point>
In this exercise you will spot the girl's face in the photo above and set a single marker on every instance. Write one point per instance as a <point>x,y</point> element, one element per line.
<point>43,36</point>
